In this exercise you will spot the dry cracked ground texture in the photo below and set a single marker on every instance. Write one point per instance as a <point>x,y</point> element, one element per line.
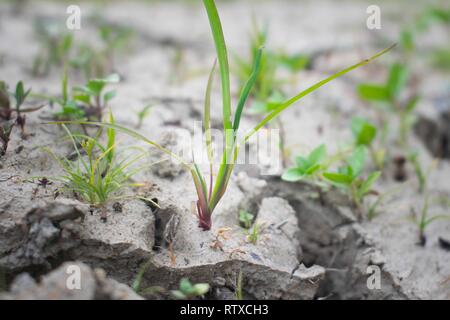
<point>307,249</point>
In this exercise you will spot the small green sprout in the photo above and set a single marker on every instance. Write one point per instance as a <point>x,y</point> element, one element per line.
<point>372,210</point>
<point>423,220</point>
<point>69,107</point>
<point>253,234</point>
<point>349,177</point>
<point>389,94</point>
<point>93,97</point>
<point>187,290</point>
<point>142,114</point>
<point>413,157</point>
<point>246,219</point>
<point>364,134</point>
<point>98,177</point>
<point>309,167</point>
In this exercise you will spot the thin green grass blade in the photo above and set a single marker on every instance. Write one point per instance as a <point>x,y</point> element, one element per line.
<point>311,89</point>
<point>131,133</point>
<point>246,90</point>
<point>207,116</point>
<point>80,158</point>
<point>222,56</point>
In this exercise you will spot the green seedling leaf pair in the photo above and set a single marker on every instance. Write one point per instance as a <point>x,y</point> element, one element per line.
<point>307,167</point>
<point>187,290</point>
<point>88,101</point>
<point>19,95</point>
<point>364,134</point>
<point>349,177</point>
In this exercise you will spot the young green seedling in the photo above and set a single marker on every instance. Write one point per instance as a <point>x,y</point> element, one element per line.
<point>253,234</point>
<point>97,177</point>
<point>349,177</point>
<point>423,220</point>
<point>389,94</point>
<point>364,134</point>
<point>93,98</point>
<point>187,290</point>
<point>69,108</point>
<point>142,114</point>
<point>209,197</point>
<point>246,219</point>
<point>307,167</point>
<point>413,157</point>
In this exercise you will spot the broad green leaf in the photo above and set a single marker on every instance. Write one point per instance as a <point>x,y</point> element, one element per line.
<point>302,163</point>
<point>95,86</point>
<point>317,155</point>
<point>357,160</point>
<point>398,76</point>
<point>19,91</point>
<point>338,178</point>
<point>109,95</point>
<point>367,184</point>
<point>313,169</point>
<point>185,285</point>
<point>363,131</point>
<point>292,175</point>
<point>84,98</point>
<point>178,295</point>
<point>373,92</point>
<point>201,288</point>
